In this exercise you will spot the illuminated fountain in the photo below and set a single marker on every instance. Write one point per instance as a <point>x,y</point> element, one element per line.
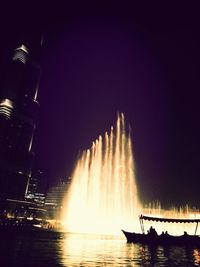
<point>103,195</point>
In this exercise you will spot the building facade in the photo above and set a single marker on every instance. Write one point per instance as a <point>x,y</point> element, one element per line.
<point>18,111</point>
<point>54,199</point>
<point>35,191</point>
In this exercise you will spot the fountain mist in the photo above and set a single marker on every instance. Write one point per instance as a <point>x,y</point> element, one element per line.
<point>103,196</point>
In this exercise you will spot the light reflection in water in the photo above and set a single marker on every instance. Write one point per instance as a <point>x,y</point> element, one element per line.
<point>67,250</point>
<point>196,255</point>
<point>95,250</point>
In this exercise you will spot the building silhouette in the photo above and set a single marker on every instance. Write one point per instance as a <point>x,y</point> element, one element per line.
<point>18,111</point>
<point>36,189</point>
<point>54,199</point>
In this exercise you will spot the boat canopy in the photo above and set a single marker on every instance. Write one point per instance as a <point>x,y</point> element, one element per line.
<point>172,220</point>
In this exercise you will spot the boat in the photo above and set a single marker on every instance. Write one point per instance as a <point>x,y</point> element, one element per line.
<point>151,237</point>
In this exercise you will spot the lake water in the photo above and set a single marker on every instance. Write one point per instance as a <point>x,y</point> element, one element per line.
<point>66,249</point>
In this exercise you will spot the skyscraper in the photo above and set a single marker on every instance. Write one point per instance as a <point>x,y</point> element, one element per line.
<point>18,110</point>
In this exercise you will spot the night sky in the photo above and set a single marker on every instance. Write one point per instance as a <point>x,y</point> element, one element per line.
<point>97,60</point>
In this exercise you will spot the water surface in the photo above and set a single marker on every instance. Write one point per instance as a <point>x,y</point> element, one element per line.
<point>67,249</point>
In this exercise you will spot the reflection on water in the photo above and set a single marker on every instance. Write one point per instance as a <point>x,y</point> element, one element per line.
<point>196,255</point>
<point>66,249</point>
<point>91,250</point>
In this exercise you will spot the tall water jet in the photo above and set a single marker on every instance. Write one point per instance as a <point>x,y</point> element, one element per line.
<point>103,196</point>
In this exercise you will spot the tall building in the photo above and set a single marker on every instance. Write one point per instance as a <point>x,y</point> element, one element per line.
<point>54,199</point>
<point>36,188</point>
<point>18,110</point>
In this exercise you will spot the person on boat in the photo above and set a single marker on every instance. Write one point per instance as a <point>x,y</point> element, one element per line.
<point>163,234</point>
<point>152,231</point>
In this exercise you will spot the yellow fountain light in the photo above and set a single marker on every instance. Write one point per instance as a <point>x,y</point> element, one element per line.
<point>103,196</point>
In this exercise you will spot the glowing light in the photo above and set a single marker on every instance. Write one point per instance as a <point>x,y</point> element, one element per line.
<point>172,228</point>
<point>85,249</point>
<point>6,107</point>
<point>23,48</point>
<point>103,195</point>
<point>7,103</point>
<point>21,53</point>
<point>196,255</point>
<point>30,144</point>
<point>36,93</point>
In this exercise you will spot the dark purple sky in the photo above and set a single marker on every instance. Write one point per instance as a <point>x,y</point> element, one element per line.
<point>141,60</point>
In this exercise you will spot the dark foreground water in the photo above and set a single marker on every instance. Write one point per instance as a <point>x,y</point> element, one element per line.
<point>42,249</point>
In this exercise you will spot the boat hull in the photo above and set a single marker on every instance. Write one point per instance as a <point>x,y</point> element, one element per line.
<point>161,239</point>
